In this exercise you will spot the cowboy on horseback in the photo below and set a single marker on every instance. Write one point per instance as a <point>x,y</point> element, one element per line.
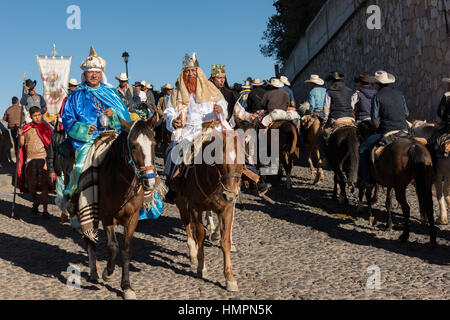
<point>239,113</point>
<point>339,103</point>
<point>441,135</point>
<point>388,113</point>
<point>194,101</point>
<point>93,108</point>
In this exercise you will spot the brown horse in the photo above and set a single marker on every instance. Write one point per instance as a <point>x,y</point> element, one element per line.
<point>211,187</point>
<point>126,176</point>
<point>343,158</point>
<point>400,163</point>
<point>310,129</point>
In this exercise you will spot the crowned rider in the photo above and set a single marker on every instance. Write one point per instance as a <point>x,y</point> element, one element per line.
<point>91,109</point>
<point>195,100</point>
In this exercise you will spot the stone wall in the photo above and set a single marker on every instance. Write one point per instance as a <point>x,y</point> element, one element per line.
<point>413,44</point>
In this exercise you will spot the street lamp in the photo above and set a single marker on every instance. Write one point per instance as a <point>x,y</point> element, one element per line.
<point>125,57</point>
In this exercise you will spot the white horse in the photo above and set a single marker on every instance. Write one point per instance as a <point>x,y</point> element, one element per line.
<point>442,178</point>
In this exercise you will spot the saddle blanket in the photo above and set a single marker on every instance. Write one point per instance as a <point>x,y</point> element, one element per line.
<point>277,115</point>
<point>386,140</point>
<point>88,185</point>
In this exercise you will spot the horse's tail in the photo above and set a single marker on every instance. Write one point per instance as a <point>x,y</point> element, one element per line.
<point>353,146</point>
<point>417,154</point>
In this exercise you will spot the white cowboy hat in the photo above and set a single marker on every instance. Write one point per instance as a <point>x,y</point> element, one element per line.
<point>314,78</point>
<point>247,85</point>
<point>122,77</point>
<point>274,82</point>
<point>149,86</point>
<point>383,77</point>
<point>167,86</point>
<point>73,82</point>
<point>446,80</point>
<point>285,80</point>
<point>257,82</point>
<point>144,83</point>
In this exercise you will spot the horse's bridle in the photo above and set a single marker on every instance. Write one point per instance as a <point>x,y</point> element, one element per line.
<point>143,172</point>
<point>221,182</point>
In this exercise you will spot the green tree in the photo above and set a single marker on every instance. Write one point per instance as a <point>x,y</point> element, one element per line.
<point>285,28</point>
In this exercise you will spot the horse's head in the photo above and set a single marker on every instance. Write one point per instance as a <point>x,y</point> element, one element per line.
<point>230,170</point>
<point>141,150</point>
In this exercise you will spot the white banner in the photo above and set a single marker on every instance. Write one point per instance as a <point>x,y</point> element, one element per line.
<point>55,78</point>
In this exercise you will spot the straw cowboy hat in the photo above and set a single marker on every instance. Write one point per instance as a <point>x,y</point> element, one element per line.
<point>285,80</point>
<point>446,80</point>
<point>149,86</point>
<point>167,86</point>
<point>247,85</point>
<point>274,82</point>
<point>334,76</point>
<point>122,77</point>
<point>257,82</point>
<point>314,78</point>
<point>363,77</point>
<point>383,77</point>
<point>73,82</point>
<point>144,83</point>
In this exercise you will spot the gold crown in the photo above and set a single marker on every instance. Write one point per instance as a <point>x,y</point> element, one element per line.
<point>217,69</point>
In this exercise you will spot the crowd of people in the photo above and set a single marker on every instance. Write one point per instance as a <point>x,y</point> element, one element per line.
<point>93,107</point>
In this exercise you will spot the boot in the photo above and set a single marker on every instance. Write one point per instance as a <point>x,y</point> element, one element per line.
<point>170,197</point>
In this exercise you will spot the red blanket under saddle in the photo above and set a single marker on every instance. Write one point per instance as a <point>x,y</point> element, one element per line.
<point>45,134</point>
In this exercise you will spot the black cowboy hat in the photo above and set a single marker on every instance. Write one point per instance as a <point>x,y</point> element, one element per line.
<point>363,77</point>
<point>30,84</point>
<point>334,76</point>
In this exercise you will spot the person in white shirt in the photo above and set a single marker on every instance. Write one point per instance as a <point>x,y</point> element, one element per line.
<point>195,100</point>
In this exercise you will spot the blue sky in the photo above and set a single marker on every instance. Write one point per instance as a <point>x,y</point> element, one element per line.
<point>156,34</point>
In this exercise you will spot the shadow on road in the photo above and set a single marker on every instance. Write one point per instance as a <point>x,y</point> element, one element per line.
<point>294,206</point>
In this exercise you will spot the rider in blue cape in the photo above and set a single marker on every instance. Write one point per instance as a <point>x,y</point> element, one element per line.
<point>91,109</point>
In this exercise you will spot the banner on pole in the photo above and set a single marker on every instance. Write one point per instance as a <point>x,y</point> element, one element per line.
<point>55,78</point>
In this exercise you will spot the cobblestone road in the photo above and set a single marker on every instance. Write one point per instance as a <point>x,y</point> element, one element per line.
<point>304,247</point>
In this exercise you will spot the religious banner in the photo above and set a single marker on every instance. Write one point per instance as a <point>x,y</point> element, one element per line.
<point>55,77</point>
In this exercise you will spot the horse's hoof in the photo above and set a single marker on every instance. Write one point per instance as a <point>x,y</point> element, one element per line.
<point>388,229</point>
<point>233,248</point>
<point>232,286</point>
<point>129,294</point>
<point>106,277</point>
<point>441,221</point>
<point>404,238</point>
<point>93,278</point>
<point>372,221</point>
<point>203,273</point>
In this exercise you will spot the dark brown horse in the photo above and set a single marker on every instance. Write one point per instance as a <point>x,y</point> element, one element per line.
<point>343,157</point>
<point>126,175</point>
<point>399,164</point>
<point>212,187</point>
<point>310,129</point>
<point>287,143</point>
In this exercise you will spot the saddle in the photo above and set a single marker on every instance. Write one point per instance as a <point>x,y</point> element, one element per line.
<point>388,139</point>
<point>339,124</point>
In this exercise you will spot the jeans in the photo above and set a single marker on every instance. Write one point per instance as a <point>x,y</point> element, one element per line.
<point>364,154</point>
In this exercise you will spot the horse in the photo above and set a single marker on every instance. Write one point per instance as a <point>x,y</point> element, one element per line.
<point>442,170</point>
<point>211,187</point>
<point>401,162</point>
<point>287,143</point>
<point>343,157</point>
<point>126,175</point>
<point>310,129</point>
